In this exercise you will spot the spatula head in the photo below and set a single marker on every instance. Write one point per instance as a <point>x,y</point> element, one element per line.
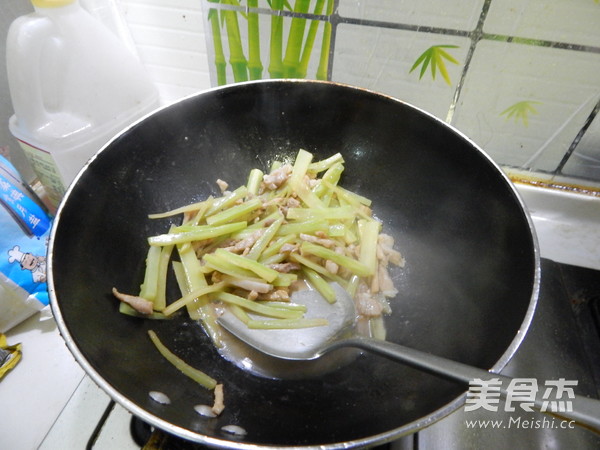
<point>302,343</point>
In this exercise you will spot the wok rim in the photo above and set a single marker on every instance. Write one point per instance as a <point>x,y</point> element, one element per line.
<point>377,439</point>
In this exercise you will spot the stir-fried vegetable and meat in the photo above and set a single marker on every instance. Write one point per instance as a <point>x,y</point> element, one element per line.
<point>249,248</point>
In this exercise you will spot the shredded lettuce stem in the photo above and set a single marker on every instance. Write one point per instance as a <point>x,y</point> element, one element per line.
<point>351,264</point>
<point>193,373</point>
<point>245,249</point>
<point>256,307</point>
<point>148,289</point>
<point>274,324</point>
<point>197,233</point>
<point>320,284</point>
<point>191,296</point>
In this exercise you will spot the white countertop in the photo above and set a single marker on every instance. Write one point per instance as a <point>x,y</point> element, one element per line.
<point>35,394</point>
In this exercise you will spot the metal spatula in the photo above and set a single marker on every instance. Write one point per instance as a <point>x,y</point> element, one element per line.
<point>314,342</point>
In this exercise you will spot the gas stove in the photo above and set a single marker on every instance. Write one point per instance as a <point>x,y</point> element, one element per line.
<point>563,342</point>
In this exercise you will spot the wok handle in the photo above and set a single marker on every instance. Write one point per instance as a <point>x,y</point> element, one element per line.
<point>585,411</point>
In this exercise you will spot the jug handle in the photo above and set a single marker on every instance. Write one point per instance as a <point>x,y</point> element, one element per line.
<point>25,76</point>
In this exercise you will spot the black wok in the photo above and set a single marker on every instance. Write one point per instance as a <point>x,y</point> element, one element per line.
<point>467,293</point>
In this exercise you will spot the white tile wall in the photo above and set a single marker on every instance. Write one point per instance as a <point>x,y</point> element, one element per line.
<point>562,77</point>
<point>453,14</point>
<point>565,84</point>
<point>381,59</point>
<point>170,39</point>
<point>571,21</point>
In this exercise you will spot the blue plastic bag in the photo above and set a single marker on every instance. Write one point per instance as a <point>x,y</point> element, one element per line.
<point>25,230</point>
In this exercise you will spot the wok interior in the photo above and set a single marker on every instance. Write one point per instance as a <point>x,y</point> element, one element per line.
<point>464,293</point>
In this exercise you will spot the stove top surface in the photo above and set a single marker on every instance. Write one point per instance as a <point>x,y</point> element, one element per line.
<point>562,342</point>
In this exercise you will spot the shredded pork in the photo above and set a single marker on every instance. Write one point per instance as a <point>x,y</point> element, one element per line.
<point>140,304</point>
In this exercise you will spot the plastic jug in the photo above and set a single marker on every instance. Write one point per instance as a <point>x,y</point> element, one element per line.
<point>73,86</point>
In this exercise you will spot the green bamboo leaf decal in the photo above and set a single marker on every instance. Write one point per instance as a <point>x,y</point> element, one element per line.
<point>520,111</point>
<point>435,58</point>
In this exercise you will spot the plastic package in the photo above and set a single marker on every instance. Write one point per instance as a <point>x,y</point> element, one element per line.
<point>23,246</point>
<point>74,85</point>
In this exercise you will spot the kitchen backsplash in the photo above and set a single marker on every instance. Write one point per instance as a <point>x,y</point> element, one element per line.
<point>521,78</point>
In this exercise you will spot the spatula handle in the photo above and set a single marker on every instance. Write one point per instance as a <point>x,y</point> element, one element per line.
<point>585,411</point>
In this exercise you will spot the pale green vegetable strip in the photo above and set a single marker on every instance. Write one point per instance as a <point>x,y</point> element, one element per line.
<point>284,324</point>
<point>227,200</point>
<point>337,230</point>
<point>194,279</point>
<point>192,267</point>
<point>262,242</point>
<point>273,259</point>
<point>257,307</point>
<point>324,164</point>
<point>221,265</point>
<point>254,180</point>
<point>200,233</point>
<point>351,264</point>
<point>329,178</point>
<point>303,214</point>
<point>283,305</point>
<point>201,212</point>
<point>184,287</point>
<point>236,212</point>
<point>284,279</point>
<point>256,226</point>
<point>195,374</point>
<point>351,197</point>
<point>191,296</point>
<point>377,327</point>
<point>250,284</point>
<point>350,237</point>
<point>180,210</point>
<point>368,232</point>
<point>303,160</point>
<point>149,287</point>
<point>310,226</point>
<point>161,283</point>
<point>320,285</point>
<point>277,244</point>
<point>193,270</point>
<point>240,313</point>
<point>317,268</point>
<point>309,197</point>
<point>179,272</point>
<point>296,180</point>
<point>259,269</point>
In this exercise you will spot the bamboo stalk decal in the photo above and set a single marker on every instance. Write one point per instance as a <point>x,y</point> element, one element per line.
<point>291,61</point>
<point>323,68</point>
<point>237,59</point>
<point>276,62</point>
<point>287,58</point>
<point>220,62</point>
<point>310,40</point>
<point>255,67</point>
